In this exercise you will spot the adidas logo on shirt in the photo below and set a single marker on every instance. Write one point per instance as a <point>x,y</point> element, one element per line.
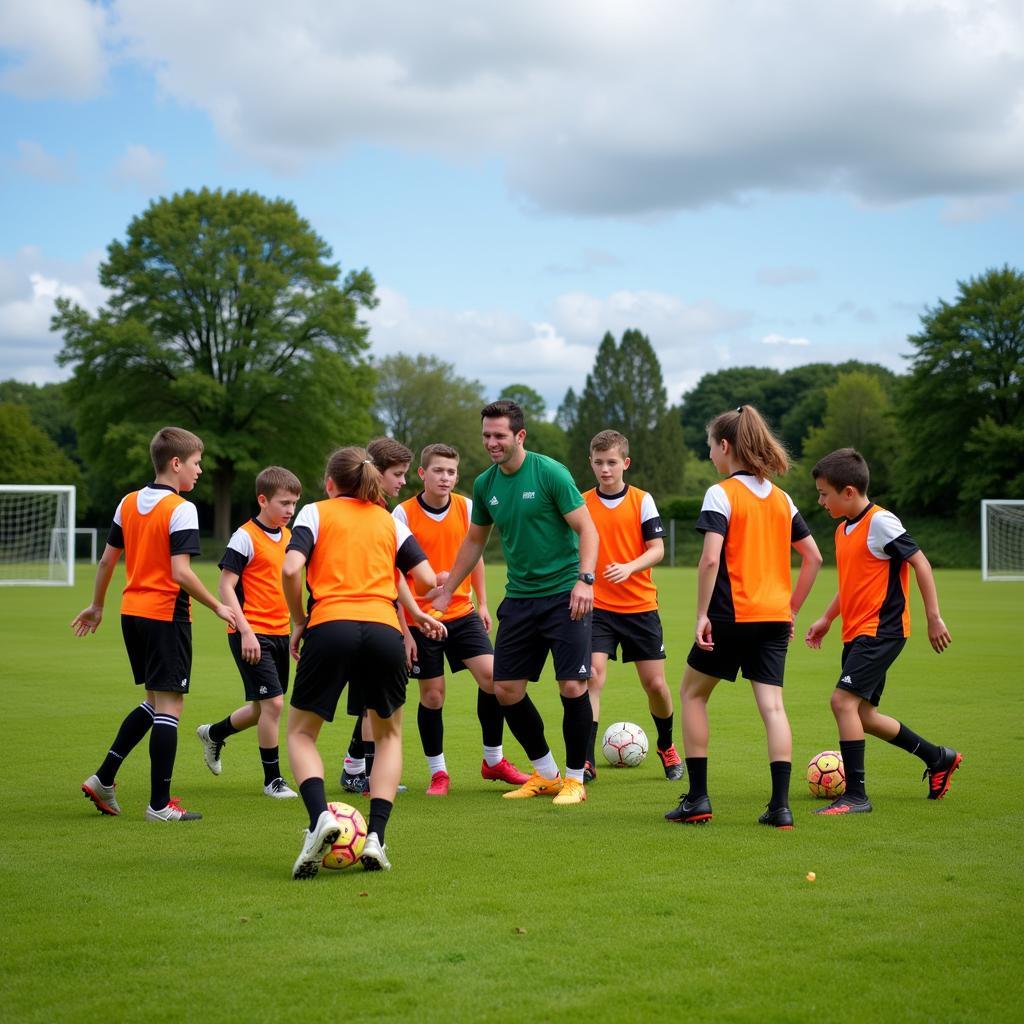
<point>847,680</point>
<point>494,500</point>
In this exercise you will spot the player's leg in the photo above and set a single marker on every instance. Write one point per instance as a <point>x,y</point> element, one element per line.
<point>659,703</point>
<point>595,687</point>
<point>780,752</point>
<point>307,769</point>
<point>495,766</point>
<point>694,692</point>
<point>268,729</point>
<point>846,709</point>
<point>213,735</point>
<point>353,773</point>
<point>430,721</point>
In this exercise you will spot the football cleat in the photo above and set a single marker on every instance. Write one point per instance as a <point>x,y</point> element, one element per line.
<point>358,784</point>
<point>279,790</point>
<point>535,785</point>
<point>572,792</point>
<point>439,783</point>
<point>172,812</point>
<point>940,777</point>
<point>589,771</point>
<point>211,749</point>
<point>691,812</point>
<point>780,817</point>
<point>503,771</point>
<point>671,762</point>
<point>102,796</point>
<point>847,805</point>
<point>374,856</point>
<point>316,844</point>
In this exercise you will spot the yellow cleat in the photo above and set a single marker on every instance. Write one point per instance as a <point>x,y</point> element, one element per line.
<point>535,785</point>
<point>572,792</point>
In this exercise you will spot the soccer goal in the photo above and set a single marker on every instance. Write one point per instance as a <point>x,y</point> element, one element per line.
<point>1002,539</point>
<point>37,535</point>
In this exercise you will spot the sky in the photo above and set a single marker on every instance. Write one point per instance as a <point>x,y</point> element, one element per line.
<point>766,182</point>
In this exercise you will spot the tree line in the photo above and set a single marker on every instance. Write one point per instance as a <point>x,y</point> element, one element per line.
<point>228,316</point>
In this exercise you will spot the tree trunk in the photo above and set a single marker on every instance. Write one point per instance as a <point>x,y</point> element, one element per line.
<point>223,481</point>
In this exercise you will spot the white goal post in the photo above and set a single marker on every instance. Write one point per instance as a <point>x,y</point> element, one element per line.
<point>37,535</point>
<point>1002,539</point>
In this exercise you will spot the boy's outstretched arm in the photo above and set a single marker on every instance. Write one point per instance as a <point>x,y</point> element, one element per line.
<point>468,555</point>
<point>938,635</point>
<point>88,620</point>
<point>820,627</point>
<point>184,575</point>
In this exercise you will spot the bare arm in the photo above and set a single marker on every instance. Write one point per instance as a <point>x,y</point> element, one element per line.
<point>479,584</point>
<point>425,581</point>
<point>185,576</point>
<point>581,600</point>
<point>938,635</point>
<point>810,563</point>
<point>469,554</point>
<point>291,584</point>
<point>616,572</point>
<point>226,591</point>
<point>88,620</point>
<point>707,573</point>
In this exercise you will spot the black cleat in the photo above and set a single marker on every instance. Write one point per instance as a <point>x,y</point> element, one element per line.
<point>358,784</point>
<point>672,764</point>
<point>780,817</point>
<point>691,812</point>
<point>940,777</point>
<point>589,772</point>
<point>847,805</point>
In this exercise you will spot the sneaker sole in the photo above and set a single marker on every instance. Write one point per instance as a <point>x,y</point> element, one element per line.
<point>101,805</point>
<point>697,819</point>
<point>949,779</point>
<point>309,868</point>
<point>825,812</point>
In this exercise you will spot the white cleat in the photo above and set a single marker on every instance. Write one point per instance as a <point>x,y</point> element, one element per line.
<point>374,857</point>
<point>102,796</point>
<point>172,812</point>
<point>279,790</point>
<point>315,845</point>
<point>211,749</point>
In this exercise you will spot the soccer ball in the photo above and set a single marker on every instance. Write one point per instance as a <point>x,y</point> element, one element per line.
<point>624,745</point>
<point>825,774</point>
<point>349,845</point>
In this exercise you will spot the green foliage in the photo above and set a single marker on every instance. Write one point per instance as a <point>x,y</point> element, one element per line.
<point>965,393</point>
<point>225,317</point>
<point>28,455</point>
<point>48,406</point>
<point>625,392</point>
<point>530,401</point>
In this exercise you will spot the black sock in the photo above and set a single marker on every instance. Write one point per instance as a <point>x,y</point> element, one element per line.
<point>697,772</point>
<point>431,725</point>
<point>380,811</point>
<point>370,749</point>
<point>271,764</point>
<point>356,750</point>
<point>221,730</point>
<point>664,727</point>
<point>577,723</point>
<point>135,725</point>
<point>592,743</point>
<point>781,771</point>
<point>525,723</point>
<point>909,741</point>
<point>163,745</point>
<point>313,796</point>
<point>491,717</point>
<point>853,765</point>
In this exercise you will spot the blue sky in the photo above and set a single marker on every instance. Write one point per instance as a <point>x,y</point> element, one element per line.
<point>766,183</point>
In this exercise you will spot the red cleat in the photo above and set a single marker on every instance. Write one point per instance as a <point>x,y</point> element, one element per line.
<point>439,783</point>
<point>503,771</point>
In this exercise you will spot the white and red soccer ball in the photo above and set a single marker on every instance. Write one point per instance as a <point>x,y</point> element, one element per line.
<point>624,745</point>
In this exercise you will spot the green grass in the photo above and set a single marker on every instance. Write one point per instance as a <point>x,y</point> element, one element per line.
<point>502,911</point>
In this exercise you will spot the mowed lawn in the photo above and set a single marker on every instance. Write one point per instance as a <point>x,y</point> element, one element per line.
<point>518,911</point>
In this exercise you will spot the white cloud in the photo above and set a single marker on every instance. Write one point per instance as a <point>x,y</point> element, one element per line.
<point>616,108</point>
<point>53,49</point>
<point>974,210</point>
<point>35,162</point>
<point>781,339</point>
<point>139,168</point>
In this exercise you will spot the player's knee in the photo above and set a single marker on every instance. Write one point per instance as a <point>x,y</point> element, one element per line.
<point>432,694</point>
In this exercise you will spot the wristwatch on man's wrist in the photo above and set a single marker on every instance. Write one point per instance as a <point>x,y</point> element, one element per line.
<point>586,577</point>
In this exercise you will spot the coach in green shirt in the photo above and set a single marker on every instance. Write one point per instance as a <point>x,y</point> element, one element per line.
<point>550,546</point>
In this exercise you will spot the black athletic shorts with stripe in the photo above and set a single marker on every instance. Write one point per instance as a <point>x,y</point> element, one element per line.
<point>159,652</point>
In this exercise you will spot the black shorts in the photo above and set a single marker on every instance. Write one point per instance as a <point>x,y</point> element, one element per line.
<point>866,659</point>
<point>466,638</point>
<point>159,652</point>
<point>530,627</point>
<point>639,634</point>
<point>269,676</point>
<point>368,657</point>
<point>758,649</point>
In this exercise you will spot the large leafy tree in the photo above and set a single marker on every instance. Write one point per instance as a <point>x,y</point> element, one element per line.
<point>28,455</point>
<point>625,391</point>
<point>226,316</point>
<point>965,393</point>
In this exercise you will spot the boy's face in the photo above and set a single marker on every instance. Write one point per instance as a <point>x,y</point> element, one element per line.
<point>278,510</point>
<point>608,467</point>
<point>188,471</point>
<point>439,477</point>
<point>393,478</point>
<point>841,504</point>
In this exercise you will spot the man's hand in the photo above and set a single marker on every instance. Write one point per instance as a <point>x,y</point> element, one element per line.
<point>581,600</point>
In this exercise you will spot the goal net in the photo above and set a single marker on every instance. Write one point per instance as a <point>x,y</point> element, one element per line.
<point>1002,539</point>
<point>37,535</point>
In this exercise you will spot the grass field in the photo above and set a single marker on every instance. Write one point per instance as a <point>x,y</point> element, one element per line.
<point>518,911</point>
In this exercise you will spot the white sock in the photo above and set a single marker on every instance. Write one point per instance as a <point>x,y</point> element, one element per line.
<point>436,764</point>
<point>546,766</point>
<point>355,766</point>
<point>574,773</point>
<point>493,756</point>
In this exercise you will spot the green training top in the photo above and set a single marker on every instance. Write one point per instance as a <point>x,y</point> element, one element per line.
<point>542,551</point>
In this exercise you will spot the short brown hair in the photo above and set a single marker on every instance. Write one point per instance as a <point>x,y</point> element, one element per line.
<point>172,443</point>
<point>507,409</point>
<point>845,467</point>
<point>387,452</point>
<point>355,474</point>
<point>437,451</point>
<point>756,447</point>
<point>277,478</point>
<point>606,440</point>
